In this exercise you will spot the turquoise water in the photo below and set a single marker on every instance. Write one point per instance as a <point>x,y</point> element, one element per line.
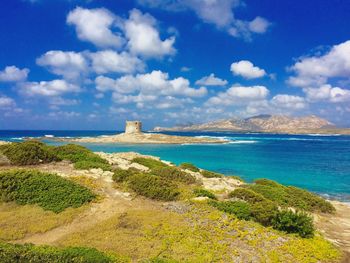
<point>317,163</point>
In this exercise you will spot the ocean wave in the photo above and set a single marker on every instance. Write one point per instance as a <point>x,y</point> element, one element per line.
<point>322,135</point>
<point>49,136</point>
<point>242,142</point>
<point>17,138</point>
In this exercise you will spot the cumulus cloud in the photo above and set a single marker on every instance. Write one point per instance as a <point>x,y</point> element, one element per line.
<point>217,12</point>
<point>67,64</point>
<point>13,74</point>
<point>239,96</point>
<point>110,61</point>
<point>327,93</point>
<point>259,25</point>
<point>211,80</point>
<point>48,88</point>
<point>155,83</point>
<point>316,70</point>
<point>143,36</point>
<point>247,70</point>
<point>289,102</point>
<point>95,26</point>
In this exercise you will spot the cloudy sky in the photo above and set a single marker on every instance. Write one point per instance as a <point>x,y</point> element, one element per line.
<point>78,64</point>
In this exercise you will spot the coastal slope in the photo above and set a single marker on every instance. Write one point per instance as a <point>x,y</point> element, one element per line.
<point>265,124</point>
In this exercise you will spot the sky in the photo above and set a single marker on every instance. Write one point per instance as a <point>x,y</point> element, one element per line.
<point>93,64</point>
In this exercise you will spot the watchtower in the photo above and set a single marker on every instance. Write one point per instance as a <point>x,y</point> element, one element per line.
<point>133,127</point>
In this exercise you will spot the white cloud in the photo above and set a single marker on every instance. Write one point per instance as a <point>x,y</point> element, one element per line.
<point>156,83</point>
<point>239,96</point>
<point>144,38</point>
<point>289,102</point>
<point>48,88</point>
<point>95,26</point>
<point>67,64</point>
<point>217,12</point>
<point>316,70</point>
<point>259,25</point>
<point>6,102</point>
<point>110,61</point>
<point>211,80</point>
<point>13,74</point>
<point>247,70</point>
<point>327,93</point>
<point>185,69</point>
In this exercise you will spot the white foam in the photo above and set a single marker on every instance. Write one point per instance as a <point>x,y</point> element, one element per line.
<point>49,136</point>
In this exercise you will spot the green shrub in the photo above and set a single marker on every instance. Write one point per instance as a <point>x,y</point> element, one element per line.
<point>29,153</point>
<point>121,175</point>
<point>264,212</point>
<point>189,166</point>
<point>86,165</point>
<point>49,191</point>
<point>149,162</point>
<point>82,157</point>
<point>238,208</point>
<point>209,174</point>
<point>289,196</point>
<point>174,174</point>
<point>153,187</point>
<point>294,222</point>
<point>10,253</point>
<point>247,195</point>
<point>204,193</point>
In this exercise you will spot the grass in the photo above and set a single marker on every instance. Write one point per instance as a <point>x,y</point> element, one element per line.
<point>149,162</point>
<point>189,166</point>
<point>203,234</point>
<point>174,174</point>
<point>49,191</point>
<point>29,253</point>
<point>289,196</point>
<point>18,221</point>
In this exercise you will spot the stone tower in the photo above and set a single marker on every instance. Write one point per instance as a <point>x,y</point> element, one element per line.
<point>133,127</point>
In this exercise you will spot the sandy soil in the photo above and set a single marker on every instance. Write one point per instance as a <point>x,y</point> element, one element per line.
<point>144,138</point>
<point>336,228</point>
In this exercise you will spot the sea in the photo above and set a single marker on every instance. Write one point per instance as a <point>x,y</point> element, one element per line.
<point>319,163</point>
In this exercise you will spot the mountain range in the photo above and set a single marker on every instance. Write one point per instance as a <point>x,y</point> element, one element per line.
<point>264,124</point>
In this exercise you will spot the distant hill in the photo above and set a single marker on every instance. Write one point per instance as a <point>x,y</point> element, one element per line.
<point>266,124</point>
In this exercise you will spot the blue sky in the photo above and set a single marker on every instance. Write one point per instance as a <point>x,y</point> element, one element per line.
<point>77,64</point>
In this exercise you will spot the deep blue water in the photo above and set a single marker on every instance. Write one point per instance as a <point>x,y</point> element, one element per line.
<point>317,163</point>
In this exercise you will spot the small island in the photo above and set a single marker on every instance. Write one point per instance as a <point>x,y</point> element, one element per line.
<point>133,135</point>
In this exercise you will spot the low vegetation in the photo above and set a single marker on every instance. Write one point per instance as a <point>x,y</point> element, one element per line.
<point>289,196</point>
<point>153,187</point>
<point>29,253</point>
<point>189,166</point>
<point>82,157</point>
<point>34,152</point>
<point>200,192</point>
<point>294,222</point>
<point>173,173</point>
<point>29,153</point>
<point>210,174</point>
<point>149,162</point>
<point>18,221</point>
<point>121,175</point>
<point>49,191</point>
